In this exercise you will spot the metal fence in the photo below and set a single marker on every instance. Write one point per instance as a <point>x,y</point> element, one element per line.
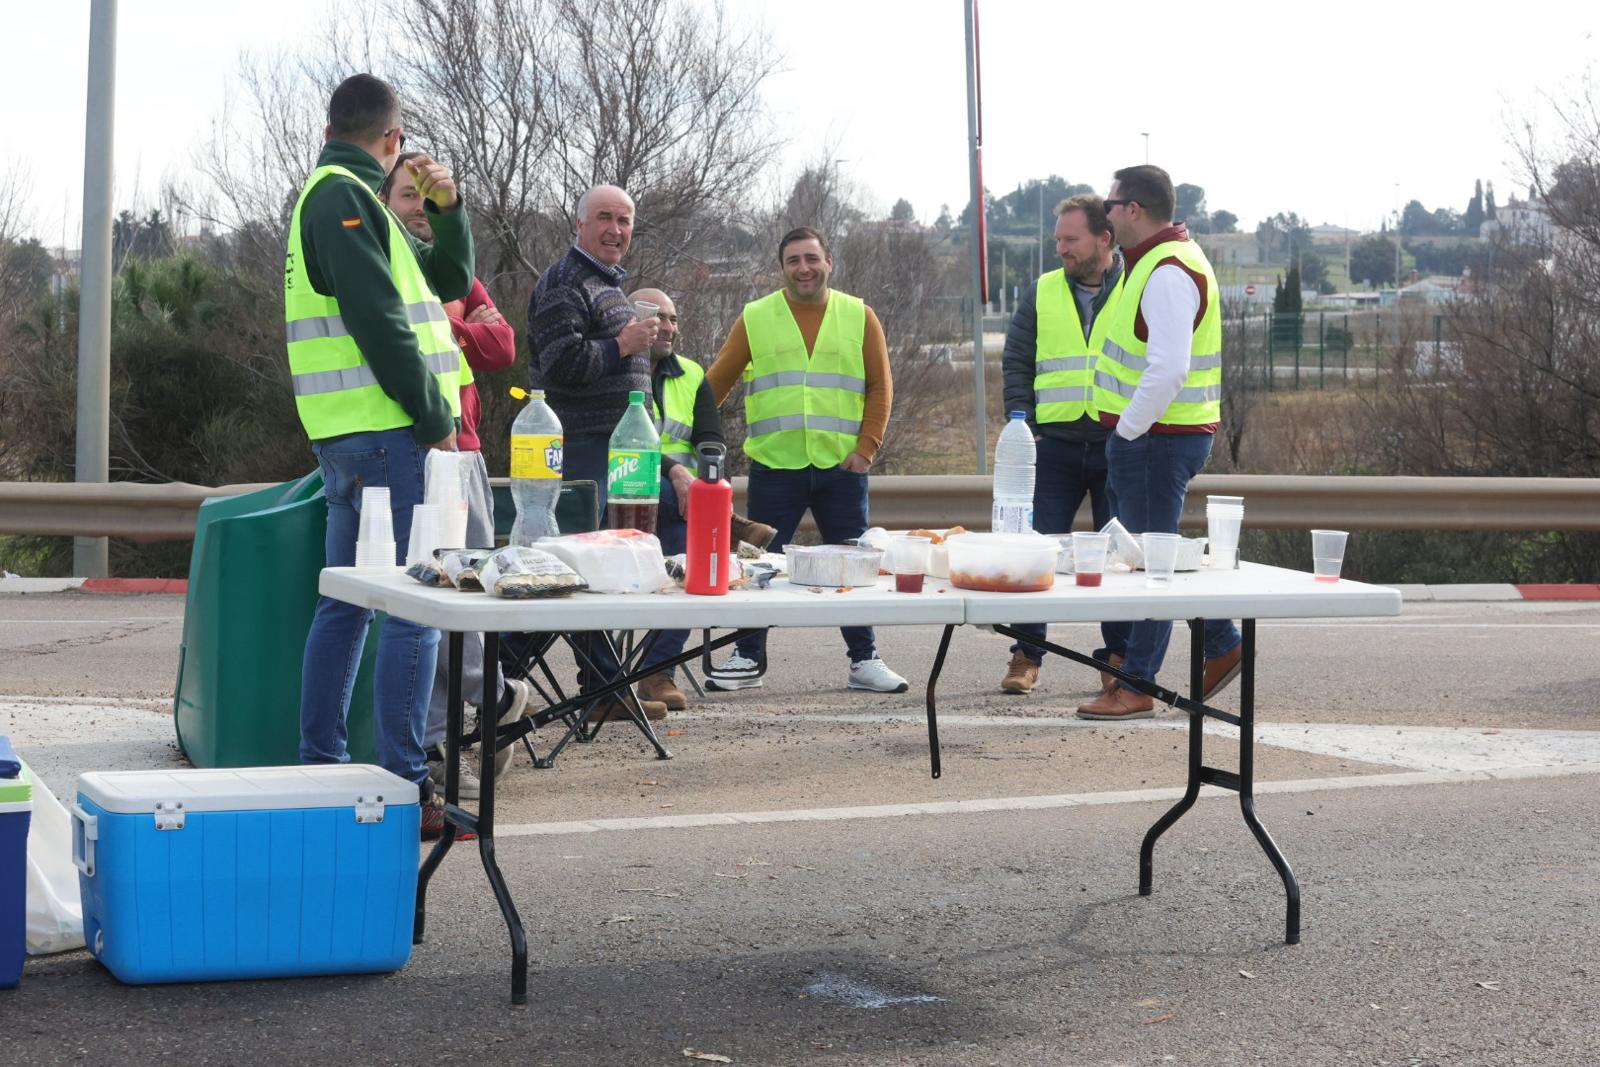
<point>1323,348</point>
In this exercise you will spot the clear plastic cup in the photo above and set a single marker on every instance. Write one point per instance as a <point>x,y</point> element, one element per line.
<point>908,562</point>
<point>1089,557</point>
<point>425,533</point>
<point>1224,517</point>
<point>644,309</point>
<point>375,556</point>
<point>1327,553</point>
<point>377,521</point>
<point>1160,558</point>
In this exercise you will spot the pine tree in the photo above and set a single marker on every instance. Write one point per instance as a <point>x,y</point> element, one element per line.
<point>1488,204</point>
<point>1472,218</point>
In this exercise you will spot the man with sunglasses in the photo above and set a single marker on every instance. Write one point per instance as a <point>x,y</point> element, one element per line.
<point>375,373</point>
<point>1158,387</point>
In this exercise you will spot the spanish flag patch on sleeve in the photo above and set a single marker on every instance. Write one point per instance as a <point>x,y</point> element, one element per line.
<point>351,224</point>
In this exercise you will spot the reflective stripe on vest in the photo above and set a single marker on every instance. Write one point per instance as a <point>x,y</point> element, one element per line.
<point>1063,360</point>
<point>804,410</point>
<point>677,422</point>
<point>334,388</point>
<point>1123,356</point>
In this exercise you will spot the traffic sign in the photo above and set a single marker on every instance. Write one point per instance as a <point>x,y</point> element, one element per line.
<point>1249,290</point>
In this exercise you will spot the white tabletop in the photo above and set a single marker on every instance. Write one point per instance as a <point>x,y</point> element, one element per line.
<point>780,605</point>
<point>1251,592</point>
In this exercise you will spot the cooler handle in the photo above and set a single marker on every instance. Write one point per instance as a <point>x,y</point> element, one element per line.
<point>85,832</point>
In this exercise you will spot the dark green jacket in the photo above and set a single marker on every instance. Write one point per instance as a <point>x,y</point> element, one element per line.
<point>351,264</point>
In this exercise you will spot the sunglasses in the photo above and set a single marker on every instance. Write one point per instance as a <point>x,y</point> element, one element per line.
<point>393,129</point>
<point>1109,204</point>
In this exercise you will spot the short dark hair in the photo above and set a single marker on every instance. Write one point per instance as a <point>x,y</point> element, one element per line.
<point>1093,208</point>
<point>388,179</point>
<point>363,109</point>
<point>1150,187</point>
<point>802,233</point>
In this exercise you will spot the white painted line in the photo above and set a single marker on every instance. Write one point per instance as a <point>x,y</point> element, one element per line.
<point>1035,803</point>
<point>1476,593</point>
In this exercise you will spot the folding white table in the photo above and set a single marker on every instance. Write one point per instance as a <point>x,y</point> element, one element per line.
<point>1249,593</point>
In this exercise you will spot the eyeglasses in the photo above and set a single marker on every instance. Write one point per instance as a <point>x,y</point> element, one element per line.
<point>393,129</point>
<point>1109,204</point>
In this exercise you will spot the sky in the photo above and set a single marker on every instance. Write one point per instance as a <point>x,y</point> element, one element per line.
<point>1339,112</point>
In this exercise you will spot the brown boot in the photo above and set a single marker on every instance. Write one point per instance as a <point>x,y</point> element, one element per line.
<point>660,687</point>
<point>1022,674</point>
<point>1118,704</point>
<point>1109,680</point>
<point>613,710</point>
<point>751,532</point>
<point>1221,671</point>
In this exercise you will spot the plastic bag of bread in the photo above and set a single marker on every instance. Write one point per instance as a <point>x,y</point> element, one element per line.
<point>461,567</point>
<point>517,572</point>
<point>613,561</point>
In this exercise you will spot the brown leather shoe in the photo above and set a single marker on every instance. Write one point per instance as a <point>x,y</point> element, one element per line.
<point>751,532</point>
<point>1109,680</point>
<point>1118,704</point>
<point>660,687</point>
<point>1221,671</point>
<point>613,710</point>
<point>1022,674</point>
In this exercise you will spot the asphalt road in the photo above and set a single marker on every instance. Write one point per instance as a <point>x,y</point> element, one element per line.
<point>1448,916</point>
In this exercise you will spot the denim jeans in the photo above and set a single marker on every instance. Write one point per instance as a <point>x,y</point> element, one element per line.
<point>674,535</point>
<point>406,652</point>
<point>1067,472</point>
<point>1149,478</point>
<point>838,501</point>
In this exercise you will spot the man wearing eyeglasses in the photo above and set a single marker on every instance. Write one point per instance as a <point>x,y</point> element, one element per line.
<point>375,373</point>
<point>1158,386</point>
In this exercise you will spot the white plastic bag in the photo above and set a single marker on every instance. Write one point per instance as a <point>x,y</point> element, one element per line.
<point>54,915</point>
<point>613,561</point>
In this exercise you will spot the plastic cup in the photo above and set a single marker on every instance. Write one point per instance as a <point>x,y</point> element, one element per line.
<point>1327,553</point>
<point>1089,557</point>
<point>1160,558</point>
<point>424,534</point>
<point>643,309</point>
<point>375,556</point>
<point>1224,517</point>
<point>377,521</point>
<point>908,561</point>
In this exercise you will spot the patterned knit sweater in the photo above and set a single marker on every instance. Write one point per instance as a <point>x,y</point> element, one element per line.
<point>574,316</point>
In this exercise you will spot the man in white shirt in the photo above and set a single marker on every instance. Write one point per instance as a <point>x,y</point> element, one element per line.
<point>1158,386</point>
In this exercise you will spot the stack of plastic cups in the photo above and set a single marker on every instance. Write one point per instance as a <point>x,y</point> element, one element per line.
<point>444,476</point>
<point>424,534</point>
<point>375,542</point>
<point>1224,516</point>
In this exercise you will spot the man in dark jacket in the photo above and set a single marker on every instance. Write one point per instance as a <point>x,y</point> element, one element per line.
<point>1049,373</point>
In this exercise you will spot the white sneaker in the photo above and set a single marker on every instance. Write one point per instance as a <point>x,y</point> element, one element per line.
<point>467,780</point>
<point>520,692</point>
<point>736,672</point>
<point>874,674</point>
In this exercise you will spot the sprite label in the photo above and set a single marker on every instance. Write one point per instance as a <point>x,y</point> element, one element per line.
<point>634,474</point>
<point>536,455</point>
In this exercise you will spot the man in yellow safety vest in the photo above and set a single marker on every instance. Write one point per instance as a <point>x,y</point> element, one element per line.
<point>1158,386</point>
<point>817,392</point>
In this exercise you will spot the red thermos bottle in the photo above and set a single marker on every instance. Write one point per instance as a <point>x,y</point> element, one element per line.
<point>710,525</point>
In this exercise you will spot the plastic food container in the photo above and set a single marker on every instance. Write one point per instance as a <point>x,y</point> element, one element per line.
<point>1003,563</point>
<point>1190,550</point>
<point>832,565</point>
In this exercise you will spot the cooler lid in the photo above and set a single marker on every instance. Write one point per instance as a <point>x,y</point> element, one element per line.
<point>245,788</point>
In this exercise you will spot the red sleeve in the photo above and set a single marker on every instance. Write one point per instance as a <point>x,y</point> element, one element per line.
<point>489,346</point>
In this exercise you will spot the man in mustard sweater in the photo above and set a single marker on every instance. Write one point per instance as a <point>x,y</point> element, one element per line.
<point>817,393</point>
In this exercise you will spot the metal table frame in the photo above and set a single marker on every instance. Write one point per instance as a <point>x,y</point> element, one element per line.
<point>1199,773</point>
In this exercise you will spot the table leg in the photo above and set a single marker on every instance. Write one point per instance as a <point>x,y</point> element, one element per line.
<point>452,786</point>
<point>1247,781</point>
<point>933,714</point>
<point>1197,663</point>
<point>502,895</point>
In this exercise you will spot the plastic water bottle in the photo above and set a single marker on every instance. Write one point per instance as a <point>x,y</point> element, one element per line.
<point>1014,460</point>
<point>535,469</point>
<point>633,470</point>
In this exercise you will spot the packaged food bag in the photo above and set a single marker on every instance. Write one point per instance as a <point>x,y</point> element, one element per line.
<point>517,572</point>
<point>613,561</point>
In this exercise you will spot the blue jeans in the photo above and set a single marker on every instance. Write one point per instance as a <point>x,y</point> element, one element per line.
<point>1149,478</point>
<point>1067,472</point>
<point>406,651</point>
<point>838,501</point>
<point>674,535</point>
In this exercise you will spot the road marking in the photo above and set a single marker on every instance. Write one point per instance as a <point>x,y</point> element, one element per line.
<point>1036,803</point>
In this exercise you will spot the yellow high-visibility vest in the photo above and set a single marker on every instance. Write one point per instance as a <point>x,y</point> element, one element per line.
<point>1063,367</point>
<point>677,420</point>
<point>804,411</point>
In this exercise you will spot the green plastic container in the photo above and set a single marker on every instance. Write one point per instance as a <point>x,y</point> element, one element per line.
<point>252,591</point>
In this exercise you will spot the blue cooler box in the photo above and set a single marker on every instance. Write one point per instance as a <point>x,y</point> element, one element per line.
<point>262,872</point>
<point>16,809</point>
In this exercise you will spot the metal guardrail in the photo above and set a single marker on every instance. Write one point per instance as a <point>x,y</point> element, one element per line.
<point>142,512</point>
